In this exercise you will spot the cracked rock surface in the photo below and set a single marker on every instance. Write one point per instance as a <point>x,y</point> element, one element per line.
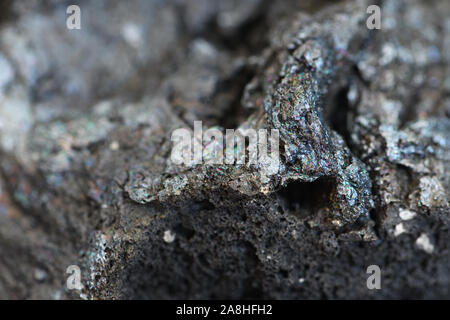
<point>87,178</point>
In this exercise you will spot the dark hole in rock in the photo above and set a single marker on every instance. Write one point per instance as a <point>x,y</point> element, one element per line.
<point>337,113</point>
<point>232,91</point>
<point>304,199</point>
<point>183,231</point>
<point>284,273</point>
<point>202,205</point>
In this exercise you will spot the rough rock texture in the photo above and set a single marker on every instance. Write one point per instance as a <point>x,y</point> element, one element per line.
<point>86,176</point>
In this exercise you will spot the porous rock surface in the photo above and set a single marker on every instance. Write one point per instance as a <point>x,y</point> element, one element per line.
<point>86,176</point>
